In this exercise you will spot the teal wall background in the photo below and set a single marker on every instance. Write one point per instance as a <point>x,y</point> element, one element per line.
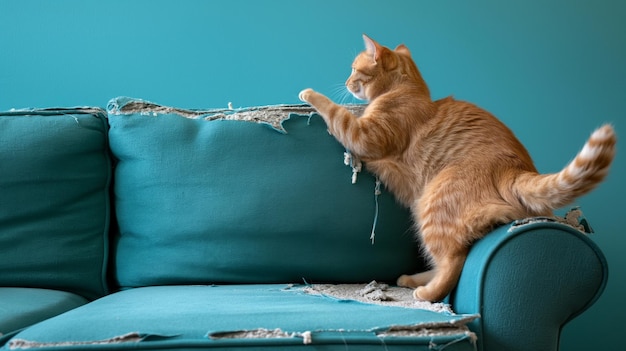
<point>552,70</point>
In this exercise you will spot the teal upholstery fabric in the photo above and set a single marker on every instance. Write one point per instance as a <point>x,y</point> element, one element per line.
<point>22,307</point>
<point>227,201</point>
<point>201,317</point>
<point>54,213</point>
<point>527,282</point>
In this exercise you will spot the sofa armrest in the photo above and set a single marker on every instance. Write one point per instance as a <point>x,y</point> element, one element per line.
<point>527,282</point>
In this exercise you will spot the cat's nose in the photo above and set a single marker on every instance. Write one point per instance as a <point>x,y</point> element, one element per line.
<point>353,88</point>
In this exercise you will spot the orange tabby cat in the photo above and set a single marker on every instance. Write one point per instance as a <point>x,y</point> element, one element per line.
<point>459,169</point>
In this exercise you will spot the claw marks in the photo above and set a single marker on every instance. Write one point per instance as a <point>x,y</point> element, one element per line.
<point>262,333</point>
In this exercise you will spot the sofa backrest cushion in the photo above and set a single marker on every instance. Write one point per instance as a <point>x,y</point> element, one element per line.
<point>54,215</point>
<point>202,197</point>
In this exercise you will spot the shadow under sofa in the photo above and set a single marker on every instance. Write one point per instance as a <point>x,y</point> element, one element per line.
<point>155,228</point>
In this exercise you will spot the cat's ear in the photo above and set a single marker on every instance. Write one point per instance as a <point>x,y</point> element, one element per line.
<point>402,49</point>
<point>371,47</point>
<point>380,53</point>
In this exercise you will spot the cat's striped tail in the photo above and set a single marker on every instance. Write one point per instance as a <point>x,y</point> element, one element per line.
<point>541,193</point>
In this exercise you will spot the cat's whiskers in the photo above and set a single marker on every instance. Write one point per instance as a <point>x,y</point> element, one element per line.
<point>341,95</point>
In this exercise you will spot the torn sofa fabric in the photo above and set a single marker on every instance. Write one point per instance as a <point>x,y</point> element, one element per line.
<point>163,228</point>
<point>260,316</point>
<point>194,188</point>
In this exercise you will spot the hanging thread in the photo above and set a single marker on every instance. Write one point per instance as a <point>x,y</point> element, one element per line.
<point>356,165</point>
<point>377,193</point>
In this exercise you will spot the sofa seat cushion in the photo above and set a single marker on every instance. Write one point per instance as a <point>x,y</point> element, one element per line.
<point>22,307</point>
<point>242,316</point>
<point>55,172</point>
<point>258,195</point>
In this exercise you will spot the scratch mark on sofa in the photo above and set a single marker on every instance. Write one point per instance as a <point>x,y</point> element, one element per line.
<point>262,333</point>
<point>22,344</point>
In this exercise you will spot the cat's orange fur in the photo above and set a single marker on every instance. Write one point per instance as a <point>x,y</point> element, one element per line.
<point>459,169</point>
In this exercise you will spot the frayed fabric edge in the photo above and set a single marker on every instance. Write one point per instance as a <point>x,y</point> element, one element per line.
<point>22,344</point>
<point>272,115</point>
<point>457,330</point>
<point>375,293</point>
<point>262,333</point>
<point>574,218</point>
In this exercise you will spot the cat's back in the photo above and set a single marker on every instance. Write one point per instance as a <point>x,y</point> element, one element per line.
<point>455,135</point>
<point>461,131</point>
<point>452,112</point>
<point>471,123</point>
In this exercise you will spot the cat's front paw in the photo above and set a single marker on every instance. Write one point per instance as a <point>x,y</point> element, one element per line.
<point>305,95</point>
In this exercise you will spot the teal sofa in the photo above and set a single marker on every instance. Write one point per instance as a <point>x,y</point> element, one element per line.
<point>146,227</point>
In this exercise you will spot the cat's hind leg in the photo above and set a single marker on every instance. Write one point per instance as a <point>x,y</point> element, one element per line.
<point>447,240</point>
<point>444,279</point>
<point>444,234</point>
<point>443,242</point>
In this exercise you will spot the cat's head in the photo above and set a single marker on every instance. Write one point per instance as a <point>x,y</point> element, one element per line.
<point>377,69</point>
